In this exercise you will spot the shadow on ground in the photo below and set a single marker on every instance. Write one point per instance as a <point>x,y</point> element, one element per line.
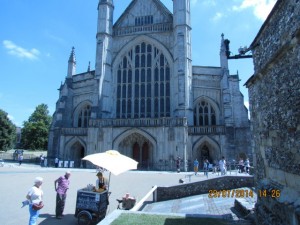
<point>48,219</point>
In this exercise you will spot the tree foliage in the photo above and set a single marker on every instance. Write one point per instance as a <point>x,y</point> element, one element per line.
<point>7,132</point>
<point>35,131</point>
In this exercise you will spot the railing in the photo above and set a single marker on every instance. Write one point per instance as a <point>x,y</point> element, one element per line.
<point>145,122</point>
<point>74,131</point>
<point>206,130</point>
<point>160,27</point>
<point>141,203</point>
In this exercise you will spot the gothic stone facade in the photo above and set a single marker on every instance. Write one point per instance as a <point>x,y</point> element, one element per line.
<point>145,99</point>
<point>274,92</point>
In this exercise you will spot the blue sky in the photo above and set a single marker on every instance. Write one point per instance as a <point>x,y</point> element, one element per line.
<point>36,38</point>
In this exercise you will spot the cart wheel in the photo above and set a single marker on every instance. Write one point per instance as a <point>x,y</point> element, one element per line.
<point>84,218</point>
<point>101,216</point>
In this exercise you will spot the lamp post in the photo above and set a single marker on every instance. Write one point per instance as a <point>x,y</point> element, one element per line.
<point>184,144</point>
<point>242,51</point>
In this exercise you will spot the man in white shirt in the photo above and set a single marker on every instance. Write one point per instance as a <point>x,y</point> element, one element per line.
<point>222,165</point>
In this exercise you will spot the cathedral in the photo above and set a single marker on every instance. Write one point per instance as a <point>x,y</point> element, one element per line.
<point>146,99</point>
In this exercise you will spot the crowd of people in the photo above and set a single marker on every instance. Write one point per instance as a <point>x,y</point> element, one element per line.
<point>221,165</point>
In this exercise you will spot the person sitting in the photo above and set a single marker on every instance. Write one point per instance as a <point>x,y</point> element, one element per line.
<point>101,183</point>
<point>128,201</point>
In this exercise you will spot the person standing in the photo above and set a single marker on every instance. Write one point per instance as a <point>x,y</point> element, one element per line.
<point>61,186</point>
<point>20,158</point>
<point>42,160</point>
<point>247,165</point>
<point>178,164</point>
<point>215,166</point>
<point>101,183</point>
<point>35,196</point>
<point>222,165</point>
<point>241,165</point>
<point>45,162</point>
<point>56,162</point>
<point>196,165</point>
<point>205,167</point>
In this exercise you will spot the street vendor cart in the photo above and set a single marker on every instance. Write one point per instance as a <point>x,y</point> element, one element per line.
<point>90,206</point>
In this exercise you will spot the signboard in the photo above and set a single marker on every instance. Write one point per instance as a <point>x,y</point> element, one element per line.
<point>90,200</point>
<point>87,200</point>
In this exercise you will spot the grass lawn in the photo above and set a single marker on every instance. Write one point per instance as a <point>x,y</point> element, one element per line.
<point>145,219</point>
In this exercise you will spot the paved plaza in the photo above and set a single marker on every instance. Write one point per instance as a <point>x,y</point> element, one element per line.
<point>16,180</point>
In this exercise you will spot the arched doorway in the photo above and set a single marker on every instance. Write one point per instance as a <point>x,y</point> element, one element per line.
<point>205,153</point>
<point>76,154</point>
<point>207,149</point>
<point>141,154</point>
<point>139,148</point>
<point>145,154</point>
<point>136,152</point>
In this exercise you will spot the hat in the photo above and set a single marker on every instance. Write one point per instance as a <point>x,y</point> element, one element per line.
<point>38,180</point>
<point>68,172</point>
<point>99,174</point>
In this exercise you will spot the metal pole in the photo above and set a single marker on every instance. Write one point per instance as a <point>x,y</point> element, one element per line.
<point>108,182</point>
<point>184,153</point>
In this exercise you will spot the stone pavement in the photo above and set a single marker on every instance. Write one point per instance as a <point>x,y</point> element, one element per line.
<point>16,180</point>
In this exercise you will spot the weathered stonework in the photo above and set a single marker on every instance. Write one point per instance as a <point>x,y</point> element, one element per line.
<point>274,97</point>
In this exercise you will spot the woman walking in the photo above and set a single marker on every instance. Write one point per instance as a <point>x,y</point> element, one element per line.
<point>35,196</point>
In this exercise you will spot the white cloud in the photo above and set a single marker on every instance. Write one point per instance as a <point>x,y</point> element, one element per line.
<point>217,16</point>
<point>20,52</point>
<point>13,120</point>
<point>55,38</point>
<point>10,117</point>
<point>261,8</point>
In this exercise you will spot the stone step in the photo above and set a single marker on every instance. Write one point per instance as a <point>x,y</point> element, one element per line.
<point>245,207</point>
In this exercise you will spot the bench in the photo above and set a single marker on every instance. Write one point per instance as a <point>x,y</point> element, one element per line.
<point>189,176</point>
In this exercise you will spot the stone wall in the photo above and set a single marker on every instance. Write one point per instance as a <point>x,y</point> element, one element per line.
<point>203,187</point>
<point>271,210</point>
<point>274,97</point>
<point>237,143</point>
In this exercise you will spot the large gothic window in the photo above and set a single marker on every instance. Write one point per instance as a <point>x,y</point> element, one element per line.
<point>204,114</point>
<point>83,116</point>
<point>143,83</point>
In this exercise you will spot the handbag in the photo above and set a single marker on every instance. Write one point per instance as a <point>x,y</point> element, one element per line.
<point>38,206</point>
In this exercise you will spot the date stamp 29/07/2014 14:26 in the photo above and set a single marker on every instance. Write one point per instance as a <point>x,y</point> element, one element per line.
<point>242,193</point>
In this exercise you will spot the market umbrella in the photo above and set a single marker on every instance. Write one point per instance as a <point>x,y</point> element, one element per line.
<point>113,161</point>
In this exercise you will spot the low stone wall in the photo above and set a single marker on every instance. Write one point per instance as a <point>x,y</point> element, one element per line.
<point>203,187</point>
<point>27,157</point>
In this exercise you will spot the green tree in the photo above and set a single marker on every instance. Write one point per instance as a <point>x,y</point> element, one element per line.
<point>7,132</point>
<point>35,131</point>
